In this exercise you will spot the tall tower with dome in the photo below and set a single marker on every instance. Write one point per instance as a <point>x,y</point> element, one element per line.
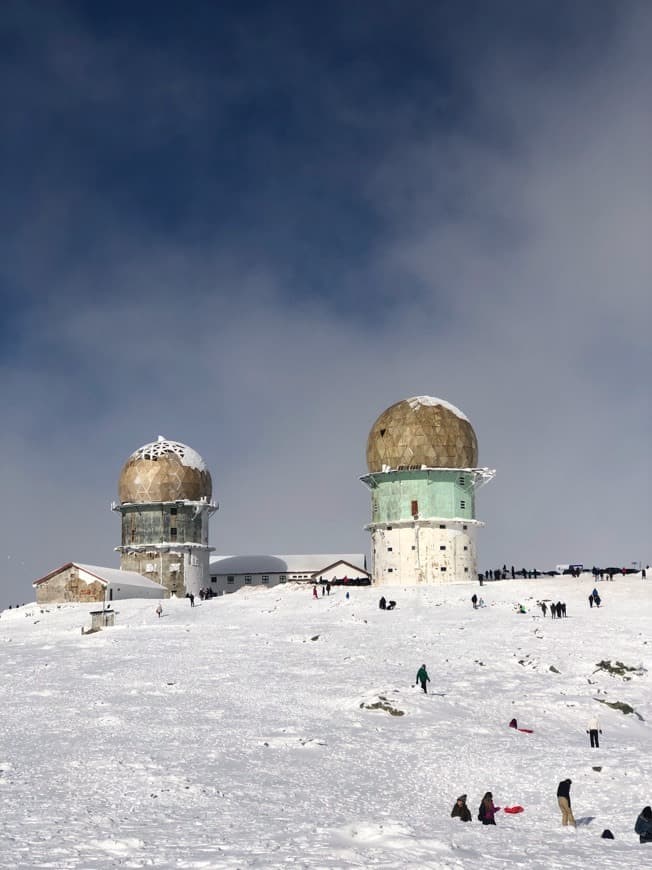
<point>165,492</point>
<point>422,457</point>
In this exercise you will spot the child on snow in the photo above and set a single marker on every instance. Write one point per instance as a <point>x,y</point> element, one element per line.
<point>460,810</point>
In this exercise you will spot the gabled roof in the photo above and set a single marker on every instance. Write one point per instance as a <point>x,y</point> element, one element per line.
<point>296,564</point>
<point>106,576</point>
<point>342,562</point>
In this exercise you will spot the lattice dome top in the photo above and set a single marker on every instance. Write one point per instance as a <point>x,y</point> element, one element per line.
<point>164,471</point>
<point>421,431</point>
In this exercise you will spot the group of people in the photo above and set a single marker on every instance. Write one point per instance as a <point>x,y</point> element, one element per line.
<point>557,611</point>
<point>487,813</point>
<point>594,598</point>
<point>325,590</point>
<point>384,604</point>
<point>477,602</point>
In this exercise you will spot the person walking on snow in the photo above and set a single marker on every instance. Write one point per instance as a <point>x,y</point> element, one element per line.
<point>474,601</point>
<point>314,592</point>
<point>591,600</point>
<point>423,678</point>
<point>159,611</point>
<point>487,810</point>
<point>564,801</point>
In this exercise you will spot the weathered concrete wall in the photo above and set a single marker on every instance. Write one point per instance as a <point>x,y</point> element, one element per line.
<point>67,587</point>
<point>158,523</point>
<point>164,568</point>
<point>416,553</point>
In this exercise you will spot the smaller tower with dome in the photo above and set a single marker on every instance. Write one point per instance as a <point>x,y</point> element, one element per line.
<point>165,492</point>
<point>422,456</point>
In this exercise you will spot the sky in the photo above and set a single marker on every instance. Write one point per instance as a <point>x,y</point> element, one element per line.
<point>254,227</point>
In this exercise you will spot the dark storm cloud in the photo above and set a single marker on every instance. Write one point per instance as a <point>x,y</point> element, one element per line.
<point>253,230</point>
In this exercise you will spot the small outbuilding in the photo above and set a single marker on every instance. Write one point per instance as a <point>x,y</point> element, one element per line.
<point>74,582</point>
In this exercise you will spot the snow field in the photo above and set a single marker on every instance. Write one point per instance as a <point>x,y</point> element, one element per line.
<point>232,734</point>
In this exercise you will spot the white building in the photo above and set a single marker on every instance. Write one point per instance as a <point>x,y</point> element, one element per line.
<point>230,573</point>
<point>74,582</point>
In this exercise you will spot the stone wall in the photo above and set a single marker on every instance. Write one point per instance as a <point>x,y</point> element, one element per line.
<point>67,587</point>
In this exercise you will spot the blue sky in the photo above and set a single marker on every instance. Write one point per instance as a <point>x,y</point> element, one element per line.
<point>252,227</point>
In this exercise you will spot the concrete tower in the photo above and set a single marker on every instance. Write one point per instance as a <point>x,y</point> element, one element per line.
<point>422,455</point>
<point>165,501</point>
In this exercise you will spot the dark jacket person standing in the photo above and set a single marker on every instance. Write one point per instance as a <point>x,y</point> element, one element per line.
<point>643,825</point>
<point>564,801</point>
<point>423,678</point>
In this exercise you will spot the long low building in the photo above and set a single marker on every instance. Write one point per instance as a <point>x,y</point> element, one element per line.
<point>74,582</point>
<point>229,573</point>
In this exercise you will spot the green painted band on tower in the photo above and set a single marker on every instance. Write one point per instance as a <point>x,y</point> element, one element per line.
<point>402,495</point>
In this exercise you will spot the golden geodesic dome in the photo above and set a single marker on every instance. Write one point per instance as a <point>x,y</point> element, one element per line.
<point>164,471</point>
<point>421,431</point>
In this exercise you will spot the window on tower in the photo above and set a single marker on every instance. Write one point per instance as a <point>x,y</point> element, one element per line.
<point>414,507</point>
<point>442,547</point>
<point>173,534</point>
<point>248,579</point>
<point>462,504</point>
<point>173,512</point>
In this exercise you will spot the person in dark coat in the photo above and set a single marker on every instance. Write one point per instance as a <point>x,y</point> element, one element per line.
<point>558,610</point>
<point>382,603</point>
<point>460,810</point>
<point>487,810</point>
<point>563,609</point>
<point>423,678</point>
<point>544,608</point>
<point>564,801</point>
<point>474,600</point>
<point>643,826</point>
<point>591,600</point>
<point>598,600</point>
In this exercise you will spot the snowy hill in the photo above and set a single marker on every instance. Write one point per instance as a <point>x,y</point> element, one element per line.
<point>239,733</point>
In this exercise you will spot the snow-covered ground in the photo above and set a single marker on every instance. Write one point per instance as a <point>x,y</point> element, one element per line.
<point>235,734</point>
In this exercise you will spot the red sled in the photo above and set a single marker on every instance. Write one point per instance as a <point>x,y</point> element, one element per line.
<point>526,730</point>
<point>516,809</point>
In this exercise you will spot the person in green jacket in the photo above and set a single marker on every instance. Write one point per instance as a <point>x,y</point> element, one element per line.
<point>423,678</point>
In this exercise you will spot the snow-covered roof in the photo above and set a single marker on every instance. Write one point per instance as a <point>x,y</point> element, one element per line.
<point>108,576</point>
<point>416,401</point>
<point>294,564</point>
<point>162,447</point>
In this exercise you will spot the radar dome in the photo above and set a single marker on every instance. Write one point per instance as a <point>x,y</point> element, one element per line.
<point>421,431</point>
<point>164,471</point>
